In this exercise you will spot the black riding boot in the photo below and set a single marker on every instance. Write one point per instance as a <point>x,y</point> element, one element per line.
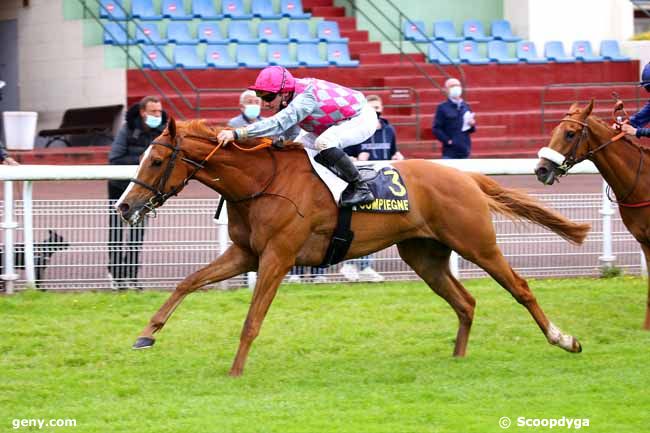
<point>340,164</point>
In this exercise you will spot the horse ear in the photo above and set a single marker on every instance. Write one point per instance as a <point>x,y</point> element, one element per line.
<point>574,107</point>
<point>587,110</point>
<point>171,127</point>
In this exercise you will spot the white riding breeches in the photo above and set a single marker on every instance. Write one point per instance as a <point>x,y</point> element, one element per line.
<point>347,133</point>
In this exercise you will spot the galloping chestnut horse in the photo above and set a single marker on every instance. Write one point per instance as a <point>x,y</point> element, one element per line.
<point>621,160</point>
<point>280,214</point>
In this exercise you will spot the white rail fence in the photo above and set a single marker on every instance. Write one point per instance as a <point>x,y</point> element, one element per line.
<point>184,236</point>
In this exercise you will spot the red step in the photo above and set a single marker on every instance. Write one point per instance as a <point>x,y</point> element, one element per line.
<point>345,23</point>
<point>356,35</point>
<point>386,59</point>
<point>90,155</point>
<point>357,48</point>
<point>308,4</point>
<point>326,11</point>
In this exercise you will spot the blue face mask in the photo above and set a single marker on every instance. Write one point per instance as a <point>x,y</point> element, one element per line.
<point>153,121</point>
<point>252,111</point>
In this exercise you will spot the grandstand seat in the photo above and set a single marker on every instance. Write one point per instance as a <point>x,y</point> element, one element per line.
<point>498,51</point>
<point>264,9</point>
<point>527,52</point>
<point>112,10</point>
<point>234,9</point>
<point>582,51</point>
<point>148,34</point>
<point>179,33</point>
<point>293,9</point>
<point>473,30</point>
<point>175,10</point>
<point>468,53</point>
<point>328,31</point>
<point>185,57</point>
<point>218,56</point>
<point>444,30</point>
<point>299,32</point>
<point>441,53</point>
<point>155,57</point>
<point>554,50</point>
<point>501,30</point>
<point>610,50</point>
<point>278,54</point>
<point>240,32</point>
<point>339,55</point>
<point>269,31</point>
<point>249,57</point>
<point>116,34</point>
<point>205,10</point>
<point>210,33</point>
<point>144,10</point>
<point>309,55</point>
<point>415,31</point>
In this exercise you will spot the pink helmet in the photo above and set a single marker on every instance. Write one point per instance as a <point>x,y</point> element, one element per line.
<point>274,79</point>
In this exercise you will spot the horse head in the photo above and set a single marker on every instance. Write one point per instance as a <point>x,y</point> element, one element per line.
<point>569,145</point>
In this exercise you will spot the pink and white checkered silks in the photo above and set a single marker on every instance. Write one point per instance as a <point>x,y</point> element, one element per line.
<point>335,104</point>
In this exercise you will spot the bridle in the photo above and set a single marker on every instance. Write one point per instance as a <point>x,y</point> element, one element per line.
<point>161,197</point>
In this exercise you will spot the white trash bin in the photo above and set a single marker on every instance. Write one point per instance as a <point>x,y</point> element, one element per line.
<point>20,129</point>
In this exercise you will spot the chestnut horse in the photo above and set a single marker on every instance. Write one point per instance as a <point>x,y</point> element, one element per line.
<point>280,214</point>
<point>621,160</point>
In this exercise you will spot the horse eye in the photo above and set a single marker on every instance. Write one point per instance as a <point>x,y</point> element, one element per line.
<point>156,162</point>
<point>570,135</point>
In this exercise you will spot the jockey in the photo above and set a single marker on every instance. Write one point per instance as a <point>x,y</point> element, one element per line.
<point>637,121</point>
<point>329,116</point>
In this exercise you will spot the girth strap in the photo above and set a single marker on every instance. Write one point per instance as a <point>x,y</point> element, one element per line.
<point>341,239</point>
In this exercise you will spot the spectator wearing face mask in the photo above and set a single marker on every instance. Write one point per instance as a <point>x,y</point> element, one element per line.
<point>145,121</point>
<point>454,122</point>
<point>250,107</point>
<point>642,118</point>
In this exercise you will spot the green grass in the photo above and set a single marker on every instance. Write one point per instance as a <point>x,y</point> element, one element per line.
<point>331,358</point>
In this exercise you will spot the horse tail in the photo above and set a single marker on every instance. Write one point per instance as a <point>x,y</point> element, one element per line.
<point>517,205</point>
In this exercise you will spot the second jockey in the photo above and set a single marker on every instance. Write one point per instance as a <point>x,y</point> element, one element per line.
<point>321,115</point>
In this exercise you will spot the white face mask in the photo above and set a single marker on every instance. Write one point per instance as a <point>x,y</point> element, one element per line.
<point>455,92</point>
<point>251,111</point>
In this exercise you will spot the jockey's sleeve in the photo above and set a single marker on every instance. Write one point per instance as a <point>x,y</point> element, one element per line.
<point>642,117</point>
<point>300,107</point>
<point>643,132</point>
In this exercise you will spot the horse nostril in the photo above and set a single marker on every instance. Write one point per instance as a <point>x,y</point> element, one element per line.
<point>541,171</point>
<point>123,207</point>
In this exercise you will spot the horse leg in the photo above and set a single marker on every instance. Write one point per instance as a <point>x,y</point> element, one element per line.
<point>430,260</point>
<point>646,253</point>
<point>272,270</point>
<point>232,262</point>
<point>491,260</point>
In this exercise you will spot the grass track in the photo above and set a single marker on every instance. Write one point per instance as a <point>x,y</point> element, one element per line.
<point>331,358</point>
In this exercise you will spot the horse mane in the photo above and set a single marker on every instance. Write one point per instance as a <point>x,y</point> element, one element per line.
<point>630,139</point>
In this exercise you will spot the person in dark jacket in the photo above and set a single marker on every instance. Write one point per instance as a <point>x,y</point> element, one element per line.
<point>642,118</point>
<point>454,122</point>
<point>145,121</point>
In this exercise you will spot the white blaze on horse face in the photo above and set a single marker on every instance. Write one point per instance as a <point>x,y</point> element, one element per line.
<point>551,155</point>
<point>557,338</point>
<point>126,192</point>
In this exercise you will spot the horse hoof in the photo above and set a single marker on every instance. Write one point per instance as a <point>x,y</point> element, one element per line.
<point>143,343</point>
<point>577,347</point>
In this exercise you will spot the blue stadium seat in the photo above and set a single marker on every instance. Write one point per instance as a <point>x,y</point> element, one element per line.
<point>339,55</point>
<point>527,52</point>
<point>185,57</point>
<point>299,32</point>
<point>249,57</point>
<point>293,9</point>
<point>144,10</point>
<point>610,50</point>
<point>415,31</point>
<point>269,31</point>
<point>278,54</point>
<point>582,51</point>
<point>498,51</point>
<point>444,30</point>
<point>148,33</point>
<point>205,10</point>
<point>234,9</point>
<point>116,34</point>
<point>309,55</point>
<point>554,50</point>
<point>240,32</point>
<point>155,57</point>
<point>468,53</point>
<point>178,32</point>
<point>175,10</point>
<point>473,30</point>
<point>217,56</point>
<point>501,30</point>
<point>328,31</point>
<point>112,10</point>
<point>441,53</point>
<point>210,33</point>
<point>264,9</point>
